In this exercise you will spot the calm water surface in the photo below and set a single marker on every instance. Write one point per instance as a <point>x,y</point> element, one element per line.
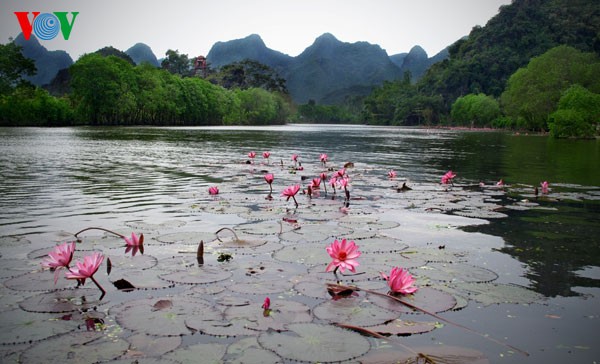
<point>54,180</point>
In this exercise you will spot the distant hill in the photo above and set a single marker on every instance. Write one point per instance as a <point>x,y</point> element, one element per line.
<point>483,61</point>
<point>252,47</point>
<point>48,63</point>
<point>141,52</point>
<point>329,71</point>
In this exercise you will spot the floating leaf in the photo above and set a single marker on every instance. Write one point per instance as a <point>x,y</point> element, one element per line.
<point>309,254</point>
<point>491,293</point>
<point>249,351</point>
<point>196,275</point>
<point>262,287</point>
<point>353,310</point>
<point>143,345</point>
<point>140,280</point>
<point>19,327</point>
<point>426,298</point>
<point>80,299</point>
<point>313,343</point>
<point>420,355</point>
<point>249,319</point>
<point>199,353</point>
<point>142,317</point>
<point>455,272</point>
<point>186,238</point>
<point>404,327</point>
<point>123,262</point>
<point>80,347</point>
<point>38,281</point>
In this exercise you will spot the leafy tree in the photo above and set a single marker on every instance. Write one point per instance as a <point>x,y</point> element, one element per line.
<point>533,92</point>
<point>475,110</point>
<point>249,74</point>
<point>33,106</point>
<point>13,65</point>
<point>175,63</point>
<point>578,114</point>
<point>104,89</point>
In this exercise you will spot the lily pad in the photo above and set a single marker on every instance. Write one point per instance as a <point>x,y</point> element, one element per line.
<point>426,298</point>
<point>132,262</point>
<point>204,353</point>
<point>456,272</point>
<point>80,347</point>
<point>80,299</point>
<point>196,275</point>
<point>186,238</point>
<point>38,281</point>
<point>437,354</point>
<point>143,345</point>
<point>315,233</point>
<point>353,310</point>
<point>142,279</point>
<point>404,327</point>
<point>141,316</point>
<point>262,287</point>
<point>491,293</point>
<point>251,318</point>
<point>309,254</point>
<point>308,342</point>
<point>249,351</point>
<point>20,327</point>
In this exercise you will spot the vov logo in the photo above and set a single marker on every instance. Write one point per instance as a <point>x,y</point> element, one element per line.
<point>46,26</point>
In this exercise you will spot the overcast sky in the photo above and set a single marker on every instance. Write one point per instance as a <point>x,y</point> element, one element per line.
<point>288,26</point>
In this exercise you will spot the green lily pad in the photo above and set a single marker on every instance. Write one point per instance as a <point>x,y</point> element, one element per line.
<point>80,347</point>
<point>353,310</point>
<point>199,353</point>
<point>39,281</point>
<point>142,345</point>
<point>80,299</point>
<point>426,298</point>
<point>455,272</point>
<point>308,342</point>
<point>142,279</point>
<point>196,275</point>
<point>20,327</point>
<point>444,354</point>
<point>309,254</point>
<point>142,316</point>
<point>404,327</point>
<point>249,351</point>
<point>491,293</point>
<point>186,238</point>
<point>132,262</point>
<point>315,233</point>
<point>250,318</point>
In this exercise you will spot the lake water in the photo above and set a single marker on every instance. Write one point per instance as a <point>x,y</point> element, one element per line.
<point>467,239</point>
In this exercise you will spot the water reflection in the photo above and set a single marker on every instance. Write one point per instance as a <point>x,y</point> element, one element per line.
<point>55,179</point>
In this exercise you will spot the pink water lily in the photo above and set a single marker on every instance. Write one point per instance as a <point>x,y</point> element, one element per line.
<point>266,156</point>
<point>400,281</point>
<point>267,304</point>
<point>252,155</point>
<point>291,191</point>
<point>60,257</point>
<point>544,186</point>
<point>135,240</point>
<point>391,173</point>
<point>448,177</point>
<point>316,183</point>
<point>340,173</point>
<point>87,269</point>
<point>323,157</point>
<point>344,254</point>
<point>269,179</point>
<point>213,190</point>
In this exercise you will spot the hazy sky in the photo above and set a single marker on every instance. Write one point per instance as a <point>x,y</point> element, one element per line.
<point>288,26</point>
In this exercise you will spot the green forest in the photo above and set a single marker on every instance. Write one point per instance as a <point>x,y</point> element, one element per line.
<point>535,66</point>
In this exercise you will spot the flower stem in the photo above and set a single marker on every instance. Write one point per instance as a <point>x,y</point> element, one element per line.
<point>98,228</point>
<point>296,202</point>
<point>226,228</point>
<point>99,287</point>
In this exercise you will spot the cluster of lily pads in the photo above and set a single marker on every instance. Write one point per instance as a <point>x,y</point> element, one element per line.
<point>265,289</point>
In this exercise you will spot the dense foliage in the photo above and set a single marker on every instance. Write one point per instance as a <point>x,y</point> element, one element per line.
<point>108,89</point>
<point>526,57</point>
